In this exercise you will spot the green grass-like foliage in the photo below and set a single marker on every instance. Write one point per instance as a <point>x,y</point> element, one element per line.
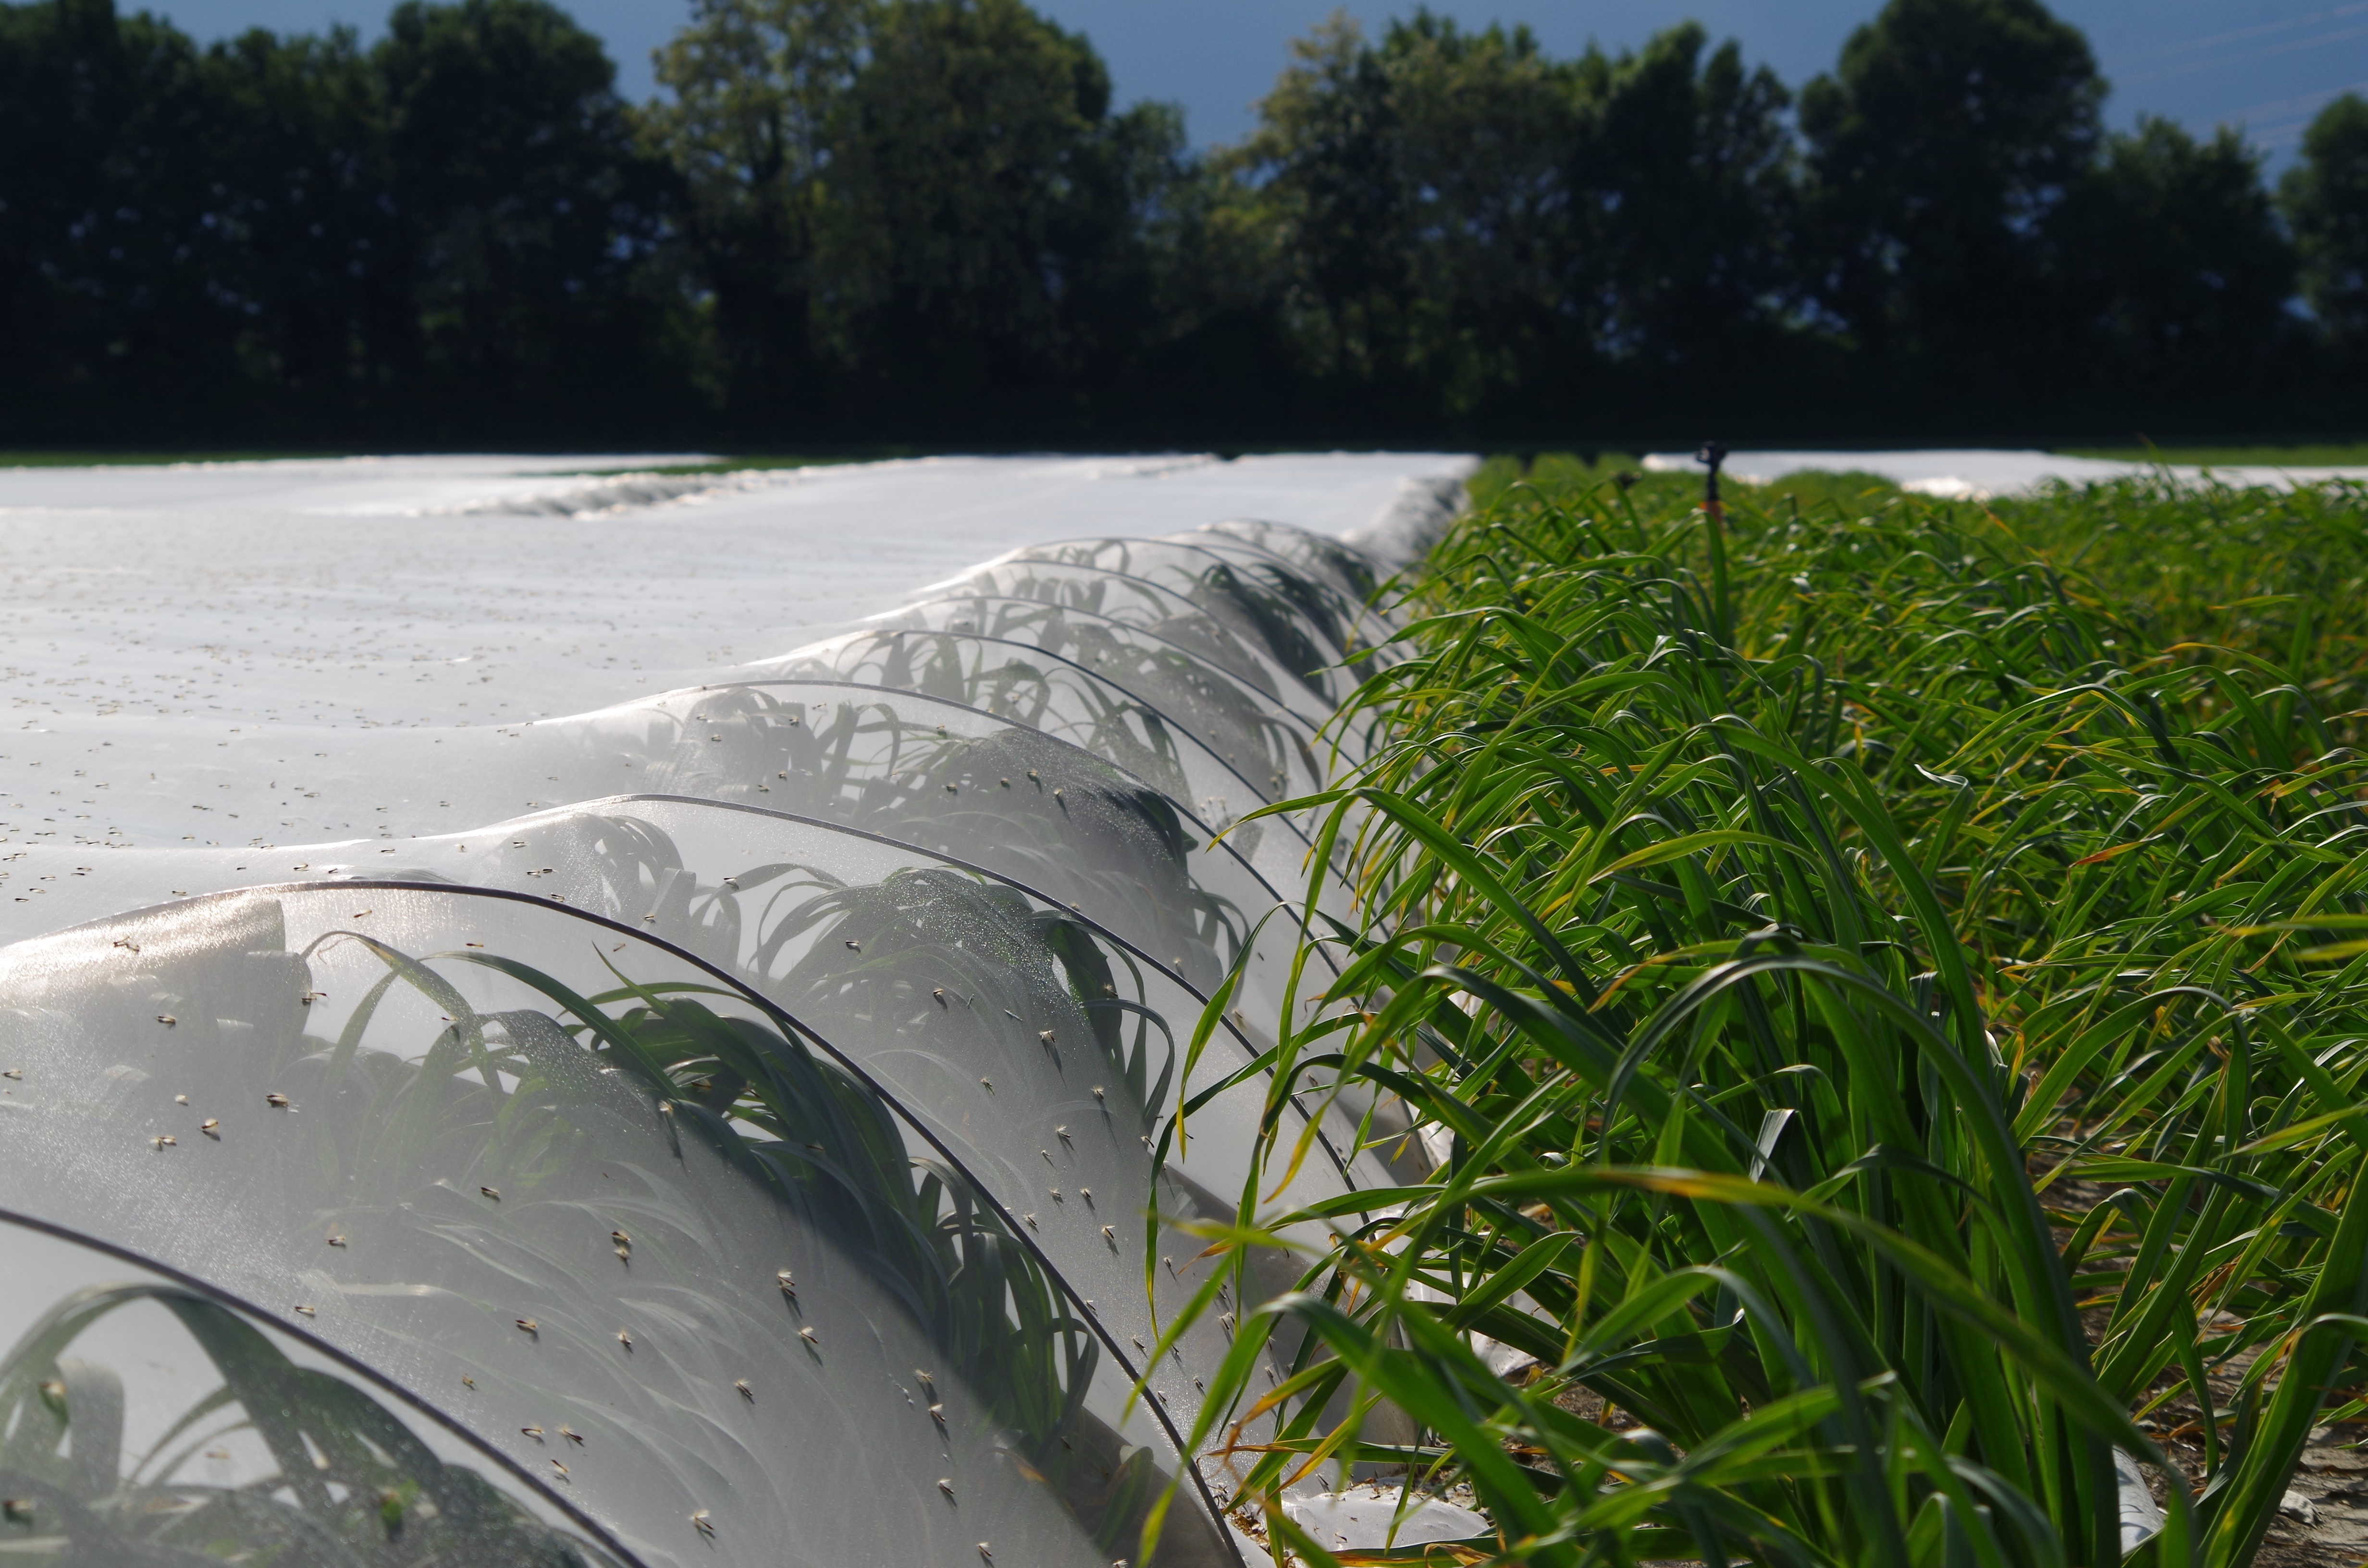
<point>2293,454</point>
<point>349,1486</point>
<point>1880,971</point>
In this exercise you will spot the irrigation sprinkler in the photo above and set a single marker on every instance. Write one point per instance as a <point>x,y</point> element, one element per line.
<point>1711,455</point>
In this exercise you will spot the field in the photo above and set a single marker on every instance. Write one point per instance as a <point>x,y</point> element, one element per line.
<point>2320,454</point>
<point>1886,982</point>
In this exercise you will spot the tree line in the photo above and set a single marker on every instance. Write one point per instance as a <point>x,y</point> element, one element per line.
<point>877,222</point>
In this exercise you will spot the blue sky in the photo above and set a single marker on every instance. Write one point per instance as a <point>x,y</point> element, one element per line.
<point>2268,64</point>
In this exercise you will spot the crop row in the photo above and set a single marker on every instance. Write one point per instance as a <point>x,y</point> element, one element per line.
<point>1881,985</point>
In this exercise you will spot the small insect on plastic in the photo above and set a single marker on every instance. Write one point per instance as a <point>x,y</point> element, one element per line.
<point>745,1391</point>
<point>164,1140</point>
<point>276,1100</point>
<point>947,1486</point>
<point>528,1325</point>
<point>699,1521</point>
<point>809,1335</point>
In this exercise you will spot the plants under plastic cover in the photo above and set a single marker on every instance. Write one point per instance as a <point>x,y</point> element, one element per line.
<point>1349,571</point>
<point>1289,667</point>
<point>1099,708</point>
<point>768,1148</point>
<point>1303,623</point>
<point>614,1216</point>
<point>147,1421</point>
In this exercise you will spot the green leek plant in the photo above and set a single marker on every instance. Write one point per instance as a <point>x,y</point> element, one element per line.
<point>1888,1033</point>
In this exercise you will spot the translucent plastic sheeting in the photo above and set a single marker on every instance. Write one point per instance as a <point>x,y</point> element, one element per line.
<point>1177,681</point>
<point>739,887</point>
<point>148,1422</point>
<point>1190,931</point>
<point>1284,610</point>
<point>1156,608</point>
<point>1362,626</point>
<point>592,1203</point>
<point>1094,709</point>
<point>730,883</point>
<point>1043,1053</point>
<point>1010,799</point>
<point>1341,619</point>
<point>1129,851</point>
<point>1304,625</point>
<point>320,591</point>
<point>1348,575</point>
<point>1353,571</point>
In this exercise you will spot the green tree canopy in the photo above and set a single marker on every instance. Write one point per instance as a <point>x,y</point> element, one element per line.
<point>757,91</point>
<point>1946,135</point>
<point>299,245</point>
<point>2171,259</point>
<point>981,230</point>
<point>102,181</point>
<point>905,220</point>
<point>1686,172</point>
<point>2326,198</point>
<point>1415,198</point>
<point>530,211</point>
